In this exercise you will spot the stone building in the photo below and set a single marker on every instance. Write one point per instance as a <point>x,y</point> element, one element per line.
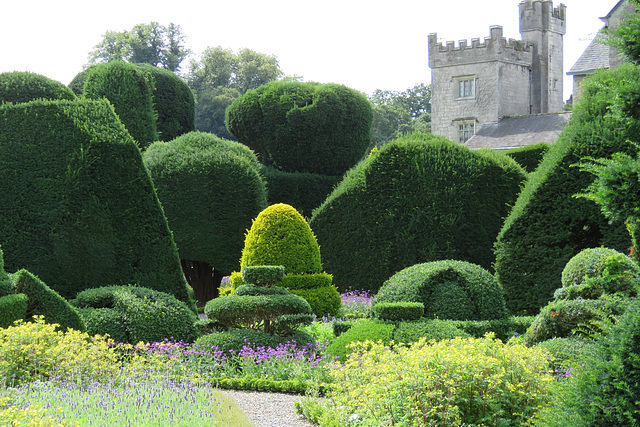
<point>484,81</point>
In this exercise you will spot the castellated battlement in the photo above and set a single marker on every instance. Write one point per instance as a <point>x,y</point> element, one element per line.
<point>493,48</point>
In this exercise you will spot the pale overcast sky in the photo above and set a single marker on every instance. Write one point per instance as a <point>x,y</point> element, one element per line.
<point>365,45</point>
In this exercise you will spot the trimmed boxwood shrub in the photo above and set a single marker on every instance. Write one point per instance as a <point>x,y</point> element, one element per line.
<point>303,127</point>
<point>173,102</point>
<point>455,290</point>
<point>132,314</point>
<point>13,307</point>
<point>6,285</point>
<point>363,330</point>
<point>529,157</point>
<point>397,311</point>
<point>592,262</point>
<point>211,190</point>
<point>262,275</point>
<point>251,290</point>
<point>44,301</point>
<point>24,86</point>
<point>419,198</point>
<point>78,206</point>
<point>130,90</point>
<point>548,225</point>
<point>324,300</point>
<point>233,340</point>
<point>504,329</point>
<point>434,329</point>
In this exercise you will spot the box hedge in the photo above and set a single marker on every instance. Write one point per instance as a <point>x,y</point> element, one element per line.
<point>13,307</point>
<point>529,157</point>
<point>420,198</point>
<point>78,206</point>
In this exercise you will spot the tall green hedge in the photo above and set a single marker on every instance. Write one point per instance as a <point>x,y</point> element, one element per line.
<point>210,189</point>
<point>529,157</point>
<point>303,127</point>
<point>420,198</point>
<point>78,206</point>
<point>24,86</point>
<point>548,225</point>
<point>130,90</point>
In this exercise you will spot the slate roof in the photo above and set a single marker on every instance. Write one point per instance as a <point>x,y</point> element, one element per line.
<point>514,132</point>
<point>594,57</point>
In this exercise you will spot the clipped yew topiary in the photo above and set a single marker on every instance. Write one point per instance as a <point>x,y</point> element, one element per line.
<point>420,198</point>
<point>529,157</point>
<point>548,225</point>
<point>281,236</point>
<point>13,307</point>
<point>24,86</point>
<point>130,90</point>
<point>454,290</point>
<point>210,189</point>
<point>78,206</point>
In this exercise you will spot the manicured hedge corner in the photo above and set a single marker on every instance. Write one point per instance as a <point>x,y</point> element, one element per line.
<point>23,86</point>
<point>529,157</point>
<point>13,307</point>
<point>361,331</point>
<point>44,301</point>
<point>78,206</point>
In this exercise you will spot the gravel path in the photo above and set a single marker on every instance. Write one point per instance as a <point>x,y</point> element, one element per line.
<point>267,409</point>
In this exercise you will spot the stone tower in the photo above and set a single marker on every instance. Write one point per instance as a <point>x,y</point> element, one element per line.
<point>478,83</point>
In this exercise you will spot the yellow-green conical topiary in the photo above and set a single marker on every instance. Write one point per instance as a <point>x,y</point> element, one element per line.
<point>281,236</point>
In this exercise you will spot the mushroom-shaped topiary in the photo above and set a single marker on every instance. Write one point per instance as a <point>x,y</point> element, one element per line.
<point>455,290</point>
<point>281,236</point>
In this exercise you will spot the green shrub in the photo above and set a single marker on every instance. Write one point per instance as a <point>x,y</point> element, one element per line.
<point>13,307</point>
<point>130,91</point>
<point>173,102</point>
<point>434,329</point>
<point>419,198</point>
<point>361,331</point>
<point>252,290</point>
<point>78,206</point>
<point>44,301</point>
<point>253,312</point>
<point>340,327</point>
<point>396,311</point>
<point>548,226</point>
<point>23,86</point>
<point>131,314</point>
<point>324,301</point>
<point>529,157</point>
<point>455,290</point>
<point>300,282</point>
<point>504,329</point>
<point>303,127</point>
<point>590,262</point>
<point>262,275</point>
<point>567,353</point>
<point>234,340</point>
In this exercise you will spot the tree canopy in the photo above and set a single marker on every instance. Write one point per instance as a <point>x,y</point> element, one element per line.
<point>150,43</point>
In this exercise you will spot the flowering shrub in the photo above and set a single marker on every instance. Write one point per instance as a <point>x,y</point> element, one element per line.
<point>355,303</point>
<point>453,382</point>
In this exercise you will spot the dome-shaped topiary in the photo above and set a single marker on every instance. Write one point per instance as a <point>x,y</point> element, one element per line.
<point>591,262</point>
<point>24,86</point>
<point>281,236</point>
<point>455,290</point>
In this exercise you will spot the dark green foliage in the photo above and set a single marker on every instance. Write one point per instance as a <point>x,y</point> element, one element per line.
<point>303,191</point>
<point>363,330</point>
<point>132,314</point>
<point>303,127</point>
<point>529,157</point>
<point>254,312</point>
<point>420,198</point>
<point>324,300</point>
<point>444,287</point>
<point>566,352</point>
<point>78,206</point>
<point>560,318</point>
<point>296,282</point>
<point>210,190</point>
<point>339,327</point>
<point>44,301</point>
<point>397,311</point>
<point>23,86</point>
<point>590,262</point>
<point>77,83</point>
<point>252,290</point>
<point>262,275</point>
<point>434,329</point>
<point>235,339</point>
<point>6,285</point>
<point>173,102</point>
<point>13,307</point>
<point>288,323</point>
<point>548,225</point>
<point>130,91</point>
<point>504,329</point>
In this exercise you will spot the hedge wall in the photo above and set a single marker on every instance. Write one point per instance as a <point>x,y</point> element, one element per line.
<point>23,86</point>
<point>548,225</point>
<point>130,90</point>
<point>303,127</point>
<point>420,198</point>
<point>529,157</point>
<point>78,206</point>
